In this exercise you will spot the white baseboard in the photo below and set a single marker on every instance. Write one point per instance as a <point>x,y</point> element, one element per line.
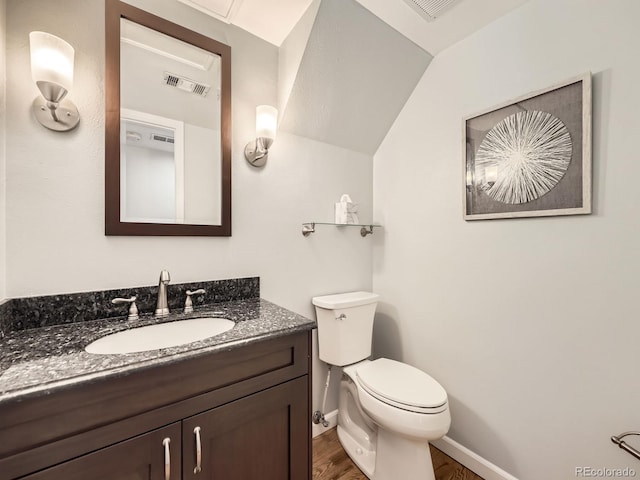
<point>471,460</point>
<point>331,417</point>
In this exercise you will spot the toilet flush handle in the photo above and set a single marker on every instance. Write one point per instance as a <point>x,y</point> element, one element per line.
<point>341,317</point>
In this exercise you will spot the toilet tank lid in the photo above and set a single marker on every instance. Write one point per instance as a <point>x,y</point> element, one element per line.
<point>345,300</point>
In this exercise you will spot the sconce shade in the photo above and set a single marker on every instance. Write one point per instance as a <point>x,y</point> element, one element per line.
<point>257,151</point>
<point>266,121</point>
<point>51,60</point>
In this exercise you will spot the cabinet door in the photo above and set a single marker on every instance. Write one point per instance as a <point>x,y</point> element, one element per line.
<point>141,458</point>
<point>265,436</point>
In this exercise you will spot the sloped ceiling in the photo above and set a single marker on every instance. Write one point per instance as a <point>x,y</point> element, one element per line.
<point>354,77</point>
<point>273,20</point>
<point>347,67</point>
<point>291,53</point>
<point>455,24</point>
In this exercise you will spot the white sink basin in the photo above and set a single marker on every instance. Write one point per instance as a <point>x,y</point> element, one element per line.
<point>163,335</point>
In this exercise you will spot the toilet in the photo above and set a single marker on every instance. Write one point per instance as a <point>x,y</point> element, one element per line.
<point>388,411</point>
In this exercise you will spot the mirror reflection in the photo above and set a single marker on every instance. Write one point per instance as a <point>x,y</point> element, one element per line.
<point>167,127</point>
<point>170,129</point>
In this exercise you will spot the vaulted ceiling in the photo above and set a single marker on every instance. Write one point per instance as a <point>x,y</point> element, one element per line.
<point>354,76</point>
<point>347,67</point>
<point>273,20</point>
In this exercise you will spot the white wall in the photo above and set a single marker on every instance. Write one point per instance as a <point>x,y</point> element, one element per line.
<point>531,325</point>
<point>3,222</point>
<point>56,240</point>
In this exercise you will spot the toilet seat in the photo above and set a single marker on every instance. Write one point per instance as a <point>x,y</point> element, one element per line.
<point>402,386</point>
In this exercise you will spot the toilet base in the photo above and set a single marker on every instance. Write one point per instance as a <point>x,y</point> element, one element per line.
<point>402,457</point>
<point>365,460</point>
<point>397,457</point>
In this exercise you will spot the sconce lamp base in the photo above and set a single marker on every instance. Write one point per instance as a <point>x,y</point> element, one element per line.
<point>255,156</point>
<point>67,113</point>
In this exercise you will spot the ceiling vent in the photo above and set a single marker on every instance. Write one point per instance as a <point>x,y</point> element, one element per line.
<point>158,137</point>
<point>431,9</point>
<point>186,84</point>
<point>224,10</point>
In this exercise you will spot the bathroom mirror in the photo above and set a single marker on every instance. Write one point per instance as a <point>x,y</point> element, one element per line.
<point>167,130</point>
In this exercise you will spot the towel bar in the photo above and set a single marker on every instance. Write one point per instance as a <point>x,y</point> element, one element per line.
<point>623,445</point>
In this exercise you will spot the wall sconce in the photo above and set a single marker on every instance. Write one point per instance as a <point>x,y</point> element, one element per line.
<point>52,70</point>
<point>257,151</point>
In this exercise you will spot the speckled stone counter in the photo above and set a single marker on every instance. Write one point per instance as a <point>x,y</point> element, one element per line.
<point>44,311</point>
<point>37,361</point>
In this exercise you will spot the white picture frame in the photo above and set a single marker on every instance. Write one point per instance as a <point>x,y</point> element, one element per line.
<point>530,156</point>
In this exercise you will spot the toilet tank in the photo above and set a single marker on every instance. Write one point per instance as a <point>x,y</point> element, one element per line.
<point>345,326</point>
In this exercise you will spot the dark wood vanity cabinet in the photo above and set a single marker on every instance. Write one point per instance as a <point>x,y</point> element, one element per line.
<point>260,437</point>
<point>247,409</point>
<point>140,458</point>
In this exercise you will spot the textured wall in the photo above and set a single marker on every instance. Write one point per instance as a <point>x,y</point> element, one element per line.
<point>531,325</point>
<point>3,186</point>
<point>56,239</point>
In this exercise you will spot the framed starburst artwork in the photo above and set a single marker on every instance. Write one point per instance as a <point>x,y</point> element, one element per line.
<point>531,156</point>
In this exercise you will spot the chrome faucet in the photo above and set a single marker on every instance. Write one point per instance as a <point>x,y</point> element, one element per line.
<point>162,305</point>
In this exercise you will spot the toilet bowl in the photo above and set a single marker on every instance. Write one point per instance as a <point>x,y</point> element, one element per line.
<point>388,410</point>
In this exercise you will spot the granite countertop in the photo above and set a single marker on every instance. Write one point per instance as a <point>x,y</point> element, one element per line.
<point>37,361</point>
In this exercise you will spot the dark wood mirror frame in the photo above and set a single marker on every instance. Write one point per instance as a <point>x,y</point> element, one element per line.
<point>115,10</point>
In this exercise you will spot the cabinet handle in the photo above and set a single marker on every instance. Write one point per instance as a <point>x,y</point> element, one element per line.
<point>198,467</point>
<point>167,459</point>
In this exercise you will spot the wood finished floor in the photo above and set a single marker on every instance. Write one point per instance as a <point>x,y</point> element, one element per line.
<point>330,462</point>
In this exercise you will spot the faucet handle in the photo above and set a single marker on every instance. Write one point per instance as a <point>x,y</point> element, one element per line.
<point>133,309</point>
<point>188,304</point>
